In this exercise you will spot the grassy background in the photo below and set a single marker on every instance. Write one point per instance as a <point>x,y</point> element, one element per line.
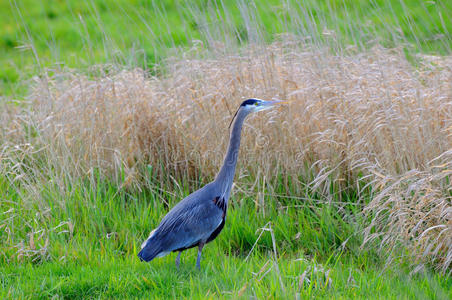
<point>54,34</point>
<point>88,250</point>
<point>69,230</point>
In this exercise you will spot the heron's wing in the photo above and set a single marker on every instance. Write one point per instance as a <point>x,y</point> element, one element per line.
<point>192,220</point>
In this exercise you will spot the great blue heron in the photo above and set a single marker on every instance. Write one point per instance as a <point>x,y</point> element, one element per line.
<point>200,217</point>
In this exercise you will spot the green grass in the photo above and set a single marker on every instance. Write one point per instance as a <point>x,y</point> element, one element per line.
<point>38,35</point>
<point>80,238</point>
<point>86,237</point>
<point>222,274</point>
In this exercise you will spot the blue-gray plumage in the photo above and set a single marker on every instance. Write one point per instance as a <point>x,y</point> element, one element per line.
<point>200,217</point>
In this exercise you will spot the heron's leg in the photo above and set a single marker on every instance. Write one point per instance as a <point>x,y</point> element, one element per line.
<point>178,259</point>
<point>198,261</point>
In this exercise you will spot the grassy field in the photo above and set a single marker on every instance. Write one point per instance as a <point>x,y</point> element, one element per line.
<point>55,35</point>
<point>88,250</point>
<point>111,112</point>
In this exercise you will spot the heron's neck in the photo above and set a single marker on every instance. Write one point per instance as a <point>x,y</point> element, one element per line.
<point>225,176</point>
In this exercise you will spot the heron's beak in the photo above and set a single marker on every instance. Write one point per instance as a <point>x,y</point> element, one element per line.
<point>264,105</point>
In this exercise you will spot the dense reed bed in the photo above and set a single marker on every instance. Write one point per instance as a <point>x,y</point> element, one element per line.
<point>368,122</point>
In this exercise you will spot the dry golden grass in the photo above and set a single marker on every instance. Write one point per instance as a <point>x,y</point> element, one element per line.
<point>357,120</point>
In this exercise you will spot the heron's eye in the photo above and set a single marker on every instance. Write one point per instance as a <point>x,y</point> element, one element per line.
<point>256,104</point>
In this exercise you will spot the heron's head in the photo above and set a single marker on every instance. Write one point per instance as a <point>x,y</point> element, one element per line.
<point>253,105</point>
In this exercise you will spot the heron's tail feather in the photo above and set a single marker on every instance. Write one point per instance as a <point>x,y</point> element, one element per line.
<point>150,248</point>
<point>150,251</point>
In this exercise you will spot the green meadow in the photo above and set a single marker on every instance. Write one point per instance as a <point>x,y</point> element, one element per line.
<point>87,169</point>
<point>92,254</point>
<point>53,35</point>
